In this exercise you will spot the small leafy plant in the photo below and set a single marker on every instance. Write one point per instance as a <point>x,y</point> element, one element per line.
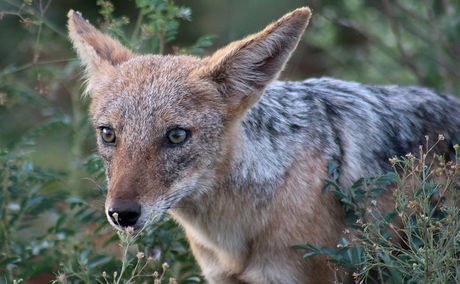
<point>416,241</point>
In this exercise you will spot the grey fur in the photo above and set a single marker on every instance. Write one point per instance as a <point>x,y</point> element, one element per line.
<point>361,126</point>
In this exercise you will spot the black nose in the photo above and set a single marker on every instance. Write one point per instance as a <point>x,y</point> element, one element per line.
<point>124,212</point>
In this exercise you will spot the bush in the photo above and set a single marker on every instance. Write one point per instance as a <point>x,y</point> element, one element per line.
<point>417,241</point>
<point>391,41</point>
<point>47,231</point>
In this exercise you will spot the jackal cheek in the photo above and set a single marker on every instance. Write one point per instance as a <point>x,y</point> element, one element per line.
<point>192,186</point>
<point>153,210</point>
<point>178,168</point>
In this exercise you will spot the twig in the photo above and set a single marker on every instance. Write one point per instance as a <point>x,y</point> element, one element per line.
<point>137,27</point>
<point>31,64</point>
<point>4,13</point>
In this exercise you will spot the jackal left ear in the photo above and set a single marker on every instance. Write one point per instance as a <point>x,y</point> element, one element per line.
<point>244,68</point>
<point>98,52</point>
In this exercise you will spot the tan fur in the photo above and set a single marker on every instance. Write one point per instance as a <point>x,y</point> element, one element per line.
<point>236,236</point>
<point>264,251</point>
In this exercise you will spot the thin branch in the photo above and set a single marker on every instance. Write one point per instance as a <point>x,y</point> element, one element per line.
<point>425,23</point>
<point>4,13</point>
<point>23,67</point>
<point>372,39</point>
<point>387,50</point>
<point>411,13</point>
<point>137,27</point>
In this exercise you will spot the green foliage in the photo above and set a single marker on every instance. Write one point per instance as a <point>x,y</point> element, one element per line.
<point>46,229</point>
<point>44,232</point>
<point>163,23</point>
<point>416,241</point>
<point>390,41</point>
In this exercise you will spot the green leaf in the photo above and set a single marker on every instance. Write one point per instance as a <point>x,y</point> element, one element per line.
<point>98,260</point>
<point>329,251</point>
<point>310,254</point>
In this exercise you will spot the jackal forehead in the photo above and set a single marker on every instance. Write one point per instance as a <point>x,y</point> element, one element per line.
<point>151,84</point>
<point>149,95</point>
<point>156,70</point>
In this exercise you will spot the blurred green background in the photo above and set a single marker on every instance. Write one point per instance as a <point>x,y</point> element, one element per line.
<point>47,148</point>
<point>377,42</point>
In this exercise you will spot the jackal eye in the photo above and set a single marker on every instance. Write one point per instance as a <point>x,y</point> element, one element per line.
<point>108,135</point>
<point>177,135</point>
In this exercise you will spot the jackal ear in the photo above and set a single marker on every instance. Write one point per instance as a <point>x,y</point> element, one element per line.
<point>98,52</point>
<point>244,68</point>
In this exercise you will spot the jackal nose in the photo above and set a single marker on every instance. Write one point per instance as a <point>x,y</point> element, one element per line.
<point>124,212</point>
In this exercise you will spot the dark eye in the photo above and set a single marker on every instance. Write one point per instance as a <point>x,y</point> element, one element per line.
<point>177,135</point>
<point>108,135</point>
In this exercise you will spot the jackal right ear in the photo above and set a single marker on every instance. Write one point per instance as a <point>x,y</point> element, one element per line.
<point>98,52</point>
<point>244,68</point>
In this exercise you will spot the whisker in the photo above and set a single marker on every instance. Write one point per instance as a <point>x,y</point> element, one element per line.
<point>100,187</point>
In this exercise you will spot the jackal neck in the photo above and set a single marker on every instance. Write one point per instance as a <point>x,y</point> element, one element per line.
<point>256,165</point>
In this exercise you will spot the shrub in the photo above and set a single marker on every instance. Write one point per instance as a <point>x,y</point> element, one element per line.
<point>417,241</point>
<point>389,42</point>
<point>47,231</point>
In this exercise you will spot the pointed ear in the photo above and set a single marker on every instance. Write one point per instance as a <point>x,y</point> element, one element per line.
<point>98,52</point>
<point>244,68</point>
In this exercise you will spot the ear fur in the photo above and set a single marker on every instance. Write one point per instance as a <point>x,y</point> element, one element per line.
<point>244,68</point>
<point>98,52</point>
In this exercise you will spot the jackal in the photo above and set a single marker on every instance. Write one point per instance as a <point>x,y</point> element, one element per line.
<point>237,158</point>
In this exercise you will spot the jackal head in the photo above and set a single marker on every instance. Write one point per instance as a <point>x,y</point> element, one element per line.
<point>166,126</point>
